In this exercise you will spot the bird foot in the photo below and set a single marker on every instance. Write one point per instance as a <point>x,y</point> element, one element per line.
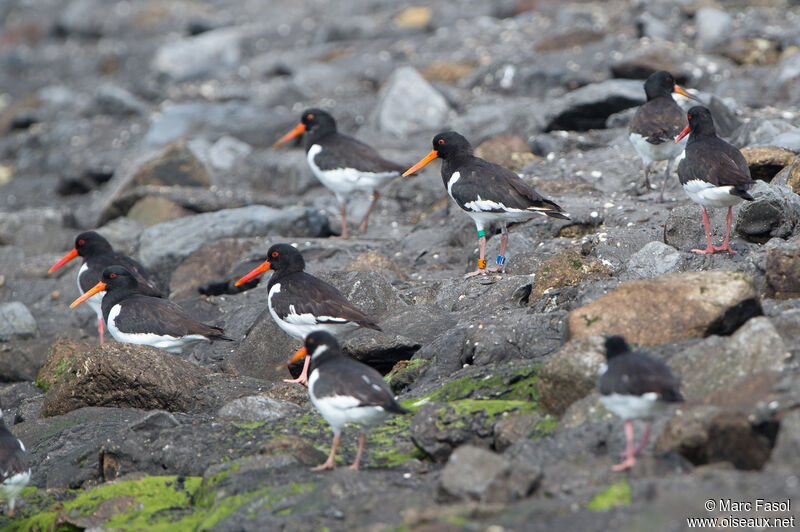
<point>353,467</point>
<point>476,272</point>
<point>628,463</point>
<point>303,381</point>
<point>362,227</point>
<point>340,237</point>
<point>726,247</point>
<point>707,251</point>
<point>327,466</point>
<point>495,268</point>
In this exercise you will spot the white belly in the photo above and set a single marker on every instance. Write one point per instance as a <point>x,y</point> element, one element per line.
<point>173,344</point>
<point>487,219</point>
<point>343,181</point>
<point>299,325</point>
<point>633,406</point>
<point>708,195</point>
<point>96,301</point>
<point>13,486</point>
<point>656,152</point>
<point>339,410</point>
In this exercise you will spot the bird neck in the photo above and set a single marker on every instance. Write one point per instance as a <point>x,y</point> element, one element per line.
<point>114,297</point>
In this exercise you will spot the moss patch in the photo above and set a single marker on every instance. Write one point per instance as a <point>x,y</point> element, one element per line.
<point>567,268</point>
<point>617,494</point>
<point>516,385</point>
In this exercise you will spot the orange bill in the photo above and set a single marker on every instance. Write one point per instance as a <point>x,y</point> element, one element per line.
<point>683,133</point>
<point>99,287</point>
<point>65,259</point>
<point>428,158</point>
<point>677,88</point>
<point>298,130</point>
<point>299,355</point>
<point>255,273</point>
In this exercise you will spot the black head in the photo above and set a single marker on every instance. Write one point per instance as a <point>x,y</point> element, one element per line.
<point>321,343</point>
<point>701,123</point>
<point>90,243</point>
<point>659,83</point>
<point>318,120</point>
<point>284,257</point>
<point>451,145</point>
<point>119,278</point>
<point>616,345</point>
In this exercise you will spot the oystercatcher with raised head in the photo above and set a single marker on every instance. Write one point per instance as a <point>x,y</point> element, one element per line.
<point>341,163</point>
<point>635,386</point>
<point>344,391</point>
<point>97,255</point>
<point>135,318</point>
<point>301,304</point>
<point>489,193</point>
<point>657,123</point>
<point>14,471</point>
<point>714,173</point>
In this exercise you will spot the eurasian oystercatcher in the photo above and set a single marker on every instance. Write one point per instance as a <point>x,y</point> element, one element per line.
<point>97,256</point>
<point>134,318</point>
<point>656,124</point>
<point>344,391</point>
<point>490,194</point>
<point>301,304</point>
<point>713,173</point>
<point>634,386</point>
<point>341,163</point>
<point>14,471</point>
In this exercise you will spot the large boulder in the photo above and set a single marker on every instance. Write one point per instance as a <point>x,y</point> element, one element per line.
<point>589,107</point>
<point>774,213</point>
<point>669,308</point>
<point>570,374</point>
<point>16,321</point>
<point>783,273</point>
<point>408,104</point>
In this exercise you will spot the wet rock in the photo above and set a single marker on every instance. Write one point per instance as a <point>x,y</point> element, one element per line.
<point>509,151</point>
<point>16,322</point>
<point>473,473</point>
<point>765,162</point>
<point>570,374</point>
<point>255,408</point>
<point>201,55</point>
<point>719,363</point>
<point>589,107</point>
<point>684,229</point>
<point>408,104</point>
<point>713,27</point>
<point>774,213</point>
<point>165,245</point>
<point>121,375</point>
<point>114,100</point>
<point>783,273</point>
<point>669,308</point>
<point>654,259</point>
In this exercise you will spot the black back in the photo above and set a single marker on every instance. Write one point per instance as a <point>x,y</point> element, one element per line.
<point>341,375</point>
<point>633,373</point>
<point>711,159</point>
<point>306,293</point>
<point>145,314</point>
<point>98,255</point>
<point>660,119</point>
<point>13,459</point>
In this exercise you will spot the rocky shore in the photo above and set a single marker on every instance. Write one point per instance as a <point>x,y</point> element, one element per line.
<point>152,123</point>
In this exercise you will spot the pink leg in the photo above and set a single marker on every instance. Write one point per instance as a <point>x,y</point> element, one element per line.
<point>707,224</point>
<point>667,174</point>
<point>364,221</point>
<point>343,209</point>
<point>482,259</point>
<point>646,182</point>
<point>329,463</point>
<point>646,438</point>
<point>503,243</point>
<point>630,459</point>
<point>101,328</point>
<point>303,378</point>
<point>725,245</point>
<point>362,440</point>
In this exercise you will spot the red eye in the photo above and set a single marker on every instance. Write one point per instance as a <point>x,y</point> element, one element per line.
<point>441,141</point>
<point>690,117</point>
<point>113,275</point>
<point>274,254</point>
<point>309,117</point>
<point>81,242</point>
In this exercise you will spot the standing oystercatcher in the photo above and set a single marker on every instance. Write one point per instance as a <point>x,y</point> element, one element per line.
<point>656,124</point>
<point>97,255</point>
<point>301,304</point>
<point>134,318</point>
<point>634,386</point>
<point>487,192</point>
<point>713,173</point>
<point>14,472</point>
<point>344,391</point>
<point>341,163</point>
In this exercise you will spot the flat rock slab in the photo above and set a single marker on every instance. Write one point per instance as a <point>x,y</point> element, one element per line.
<point>669,308</point>
<point>120,375</point>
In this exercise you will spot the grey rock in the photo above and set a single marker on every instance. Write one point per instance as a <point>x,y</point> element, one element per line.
<point>83,18</point>
<point>117,101</point>
<point>789,68</point>
<point>164,245</point>
<point>789,140</point>
<point>590,106</point>
<point>654,259</point>
<point>713,27</point>
<point>475,474</point>
<point>784,456</point>
<point>774,213</point>
<point>437,429</point>
<point>760,132</point>
<point>227,151</point>
<point>409,104</point>
<point>654,27</point>
<point>16,322</point>
<point>198,56</point>
<point>723,111</point>
<point>38,230</point>
<point>257,408</point>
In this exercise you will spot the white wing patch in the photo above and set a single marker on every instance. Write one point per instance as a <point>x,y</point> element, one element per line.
<point>301,325</point>
<point>452,181</point>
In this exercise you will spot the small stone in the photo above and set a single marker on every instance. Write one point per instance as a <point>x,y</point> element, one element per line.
<point>152,210</point>
<point>200,55</point>
<point>569,39</point>
<point>783,273</point>
<point>414,17</point>
<point>713,27</point>
<point>510,151</point>
<point>114,100</point>
<point>176,165</point>
<point>16,322</point>
<point>6,173</point>
<point>55,294</point>
<point>408,104</point>
<point>257,408</point>
<point>654,259</point>
<point>447,71</point>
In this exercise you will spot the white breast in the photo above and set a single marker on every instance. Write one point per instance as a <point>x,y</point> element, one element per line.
<point>633,406</point>
<point>656,152</point>
<point>339,410</point>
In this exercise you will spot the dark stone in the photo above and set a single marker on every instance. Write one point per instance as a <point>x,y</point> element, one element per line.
<point>783,273</point>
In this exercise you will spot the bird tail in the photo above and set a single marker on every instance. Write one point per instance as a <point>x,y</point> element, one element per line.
<point>395,408</point>
<point>369,324</point>
<point>218,334</point>
<point>741,191</point>
<point>672,395</point>
<point>548,208</point>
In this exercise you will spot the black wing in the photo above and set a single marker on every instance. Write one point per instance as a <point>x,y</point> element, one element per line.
<point>13,459</point>
<point>659,120</point>
<point>145,314</point>
<point>310,295</point>
<point>341,151</point>
<point>637,374</point>
<point>715,161</point>
<point>361,381</point>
